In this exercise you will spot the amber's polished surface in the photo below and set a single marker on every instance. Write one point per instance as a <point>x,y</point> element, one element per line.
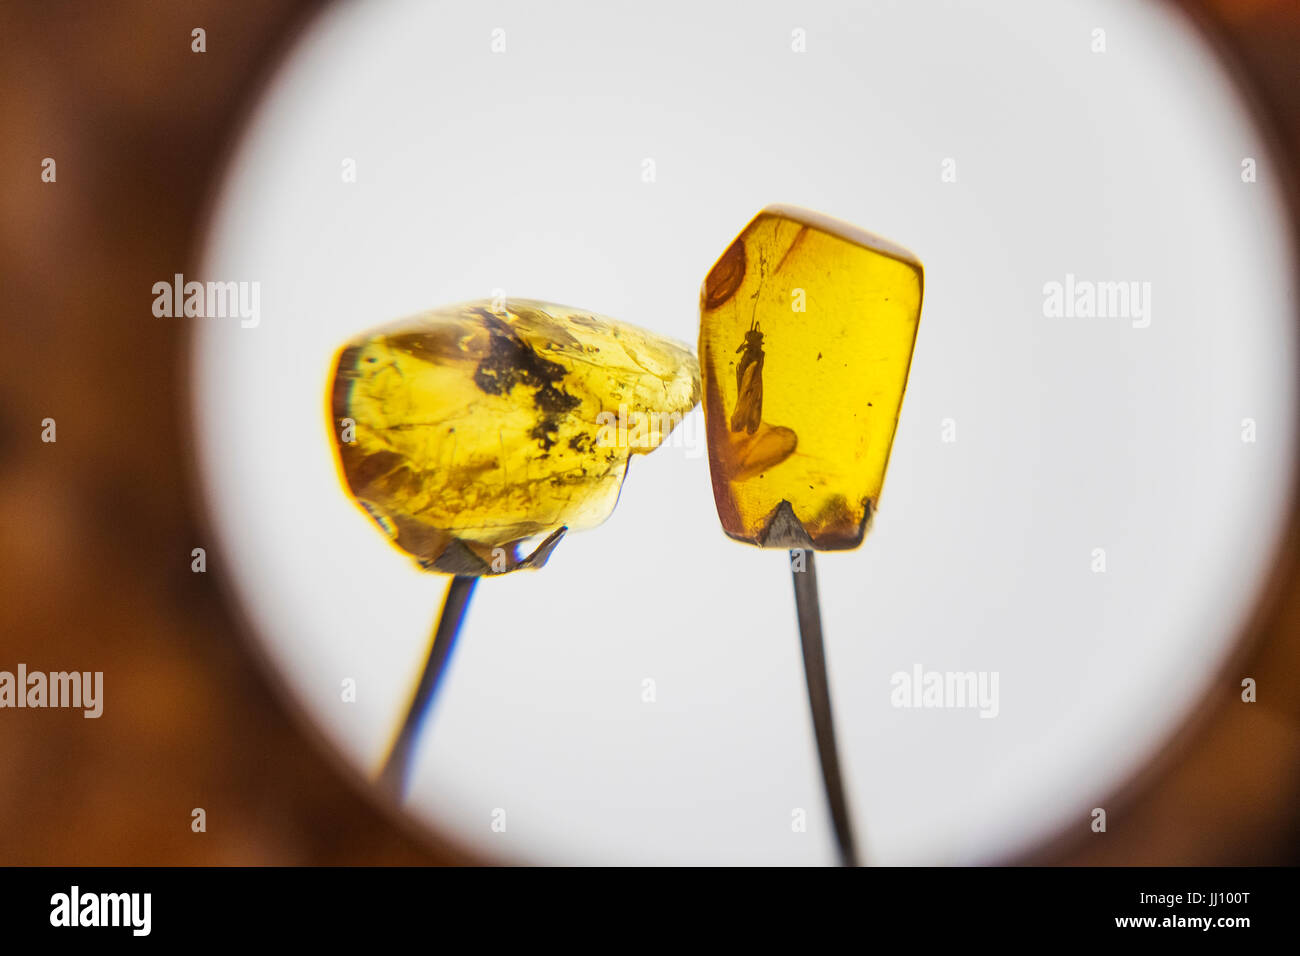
<point>475,435</point>
<point>806,332</point>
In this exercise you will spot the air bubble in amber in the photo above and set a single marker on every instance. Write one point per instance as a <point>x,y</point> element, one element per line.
<point>806,332</point>
<point>476,436</point>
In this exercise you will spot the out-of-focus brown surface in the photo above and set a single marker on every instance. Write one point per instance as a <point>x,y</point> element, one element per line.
<point>98,528</point>
<point>95,545</point>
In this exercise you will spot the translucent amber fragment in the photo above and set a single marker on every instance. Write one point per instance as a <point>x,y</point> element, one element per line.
<point>467,433</point>
<point>806,333</point>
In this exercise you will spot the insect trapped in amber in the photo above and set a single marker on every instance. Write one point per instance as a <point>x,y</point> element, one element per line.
<point>475,437</point>
<point>806,332</point>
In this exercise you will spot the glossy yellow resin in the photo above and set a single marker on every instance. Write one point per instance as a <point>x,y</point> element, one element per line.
<point>475,432</point>
<point>806,332</point>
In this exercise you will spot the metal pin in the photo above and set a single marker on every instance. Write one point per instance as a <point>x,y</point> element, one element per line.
<point>819,698</point>
<point>397,767</point>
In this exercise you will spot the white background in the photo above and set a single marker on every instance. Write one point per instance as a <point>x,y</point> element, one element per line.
<point>522,170</point>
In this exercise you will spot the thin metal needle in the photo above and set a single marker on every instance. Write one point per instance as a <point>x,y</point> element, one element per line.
<point>819,697</point>
<point>397,767</point>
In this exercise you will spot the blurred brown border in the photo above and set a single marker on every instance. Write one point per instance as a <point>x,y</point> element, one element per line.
<point>94,550</point>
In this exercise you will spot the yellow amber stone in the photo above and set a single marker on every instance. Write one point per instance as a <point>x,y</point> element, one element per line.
<point>468,433</point>
<point>806,332</point>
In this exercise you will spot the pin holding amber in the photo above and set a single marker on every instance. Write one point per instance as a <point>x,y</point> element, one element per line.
<point>807,326</point>
<point>476,435</point>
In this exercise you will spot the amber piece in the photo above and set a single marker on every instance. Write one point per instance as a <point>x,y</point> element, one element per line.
<point>475,438</point>
<point>806,333</point>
